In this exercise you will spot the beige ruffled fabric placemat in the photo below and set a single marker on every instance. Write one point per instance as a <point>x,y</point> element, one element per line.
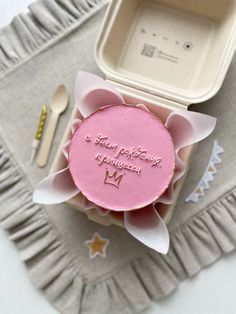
<point>38,51</point>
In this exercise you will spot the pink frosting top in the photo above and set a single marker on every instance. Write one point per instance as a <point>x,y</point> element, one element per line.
<point>121,157</point>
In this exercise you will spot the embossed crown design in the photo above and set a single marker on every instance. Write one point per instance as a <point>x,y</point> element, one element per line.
<point>113,179</point>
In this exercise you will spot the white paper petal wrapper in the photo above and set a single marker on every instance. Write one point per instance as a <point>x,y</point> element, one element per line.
<point>75,124</point>
<point>147,226</point>
<point>194,128</point>
<point>186,128</point>
<point>142,106</point>
<point>56,188</point>
<point>65,149</point>
<point>92,92</point>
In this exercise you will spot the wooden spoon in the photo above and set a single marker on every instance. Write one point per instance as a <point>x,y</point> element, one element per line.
<point>58,105</point>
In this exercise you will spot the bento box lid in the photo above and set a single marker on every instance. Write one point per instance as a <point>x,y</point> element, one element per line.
<point>176,53</point>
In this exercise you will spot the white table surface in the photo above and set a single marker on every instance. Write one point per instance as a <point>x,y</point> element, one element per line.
<point>210,292</point>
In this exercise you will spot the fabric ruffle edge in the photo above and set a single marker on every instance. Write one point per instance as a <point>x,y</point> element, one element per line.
<point>198,243</point>
<point>45,22</point>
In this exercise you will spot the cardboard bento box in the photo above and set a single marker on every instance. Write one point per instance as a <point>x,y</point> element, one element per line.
<point>166,54</point>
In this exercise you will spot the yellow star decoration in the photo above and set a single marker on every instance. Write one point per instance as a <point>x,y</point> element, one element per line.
<point>97,246</point>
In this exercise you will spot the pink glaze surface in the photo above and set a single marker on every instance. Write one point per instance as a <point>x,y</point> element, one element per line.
<point>121,157</point>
